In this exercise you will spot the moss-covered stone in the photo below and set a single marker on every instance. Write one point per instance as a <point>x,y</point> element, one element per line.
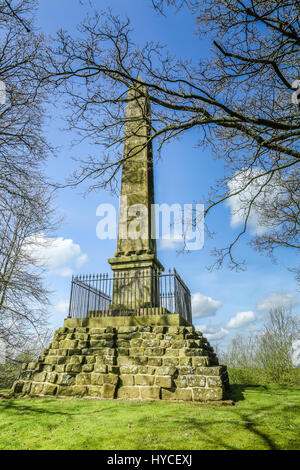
<point>144,362</point>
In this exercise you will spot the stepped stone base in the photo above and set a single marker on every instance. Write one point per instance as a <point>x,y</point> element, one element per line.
<point>132,358</point>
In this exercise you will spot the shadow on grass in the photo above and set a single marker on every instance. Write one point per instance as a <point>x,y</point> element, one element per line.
<point>236,390</point>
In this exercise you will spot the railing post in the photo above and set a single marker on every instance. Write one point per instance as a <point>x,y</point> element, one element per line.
<point>69,314</point>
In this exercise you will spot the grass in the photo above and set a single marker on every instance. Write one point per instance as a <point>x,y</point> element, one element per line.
<point>264,417</point>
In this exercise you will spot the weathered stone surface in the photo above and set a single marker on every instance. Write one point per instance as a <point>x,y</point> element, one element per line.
<point>108,390</point>
<point>207,394</point>
<point>126,380</point>
<point>150,393</point>
<point>184,394</point>
<point>66,379</point>
<point>49,389</point>
<point>129,393</point>
<point>144,379</point>
<point>36,388</point>
<point>137,362</point>
<point>164,381</point>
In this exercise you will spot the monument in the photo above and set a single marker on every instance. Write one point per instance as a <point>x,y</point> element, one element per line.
<point>130,335</point>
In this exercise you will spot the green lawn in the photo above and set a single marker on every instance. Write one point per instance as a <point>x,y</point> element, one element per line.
<point>262,418</point>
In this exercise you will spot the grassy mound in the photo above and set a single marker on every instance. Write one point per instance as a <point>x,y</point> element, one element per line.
<point>262,418</point>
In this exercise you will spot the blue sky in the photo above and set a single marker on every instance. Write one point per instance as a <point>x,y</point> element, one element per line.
<point>183,175</point>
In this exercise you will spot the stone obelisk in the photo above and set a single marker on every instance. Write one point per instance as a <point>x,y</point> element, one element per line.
<point>136,249</point>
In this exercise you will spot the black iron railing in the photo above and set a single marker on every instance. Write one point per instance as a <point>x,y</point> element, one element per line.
<point>144,293</point>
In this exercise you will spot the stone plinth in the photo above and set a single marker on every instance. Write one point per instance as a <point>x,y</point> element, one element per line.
<point>136,281</point>
<point>132,358</point>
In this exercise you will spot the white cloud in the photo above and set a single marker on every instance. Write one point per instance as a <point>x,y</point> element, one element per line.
<point>65,272</point>
<point>203,306</point>
<point>258,222</point>
<point>241,319</point>
<point>213,332</point>
<point>55,252</point>
<point>81,260</point>
<point>62,306</point>
<point>296,353</point>
<point>172,243</point>
<point>277,299</point>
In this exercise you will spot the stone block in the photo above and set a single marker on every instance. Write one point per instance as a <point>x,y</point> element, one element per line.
<point>66,379</point>
<point>137,352</point>
<point>172,353</point>
<point>77,359</point>
<point>166,370</point>
<point>170,361</point>
<point>97,379</point>
<point>141,360</point>
<point>80,390</point>
<point>100,368</point>
<point>192,352</point>
<point>150,393</point>
<point>65,391</point>
<point>126,380</point>
<point>164,381</point>
<point>124,360</point>
<point>39,376</point>
<point>108,390</point>
<point>207,394</point>
<point>187,370</point>
<point>27,388</point>
<point>182,394</point>
<point>75,368</point>
<point>48,367</point>
<point>129,369</point>
<point>127,329</point>
<point>214,381</point>
<point>88,368</point>
<point>83,379</point>
<point>181,381</point>
<point>136,342</point>
<point>18,387</point>
<point>144,379</point>
<point>113,370</point>
<point>95,391</point>
<point>154,352</point>
<point>154,361</point>
<point>36,388</point>
<point>90,359</point>
<point>185,361</point>
<point>110,379</point>
<point>51,377</point>
<point>123,351</point>
<point>178,344</point>
<point>200,361</point>
<point>61,359</point>
<point>50,360</point>
<point>49,389</point>
<point>196,381</point>
<point>129,393</point>
<point>110,360</point>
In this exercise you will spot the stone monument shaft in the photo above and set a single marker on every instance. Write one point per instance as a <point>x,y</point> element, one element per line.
<point>136,248</point>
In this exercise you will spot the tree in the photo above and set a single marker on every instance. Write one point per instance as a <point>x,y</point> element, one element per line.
<point>25,202</point>
<point>275,344</point>
<point>23,146</point>
<point>268,355</point>
<point>240,100</point>
<point>23,296</point>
